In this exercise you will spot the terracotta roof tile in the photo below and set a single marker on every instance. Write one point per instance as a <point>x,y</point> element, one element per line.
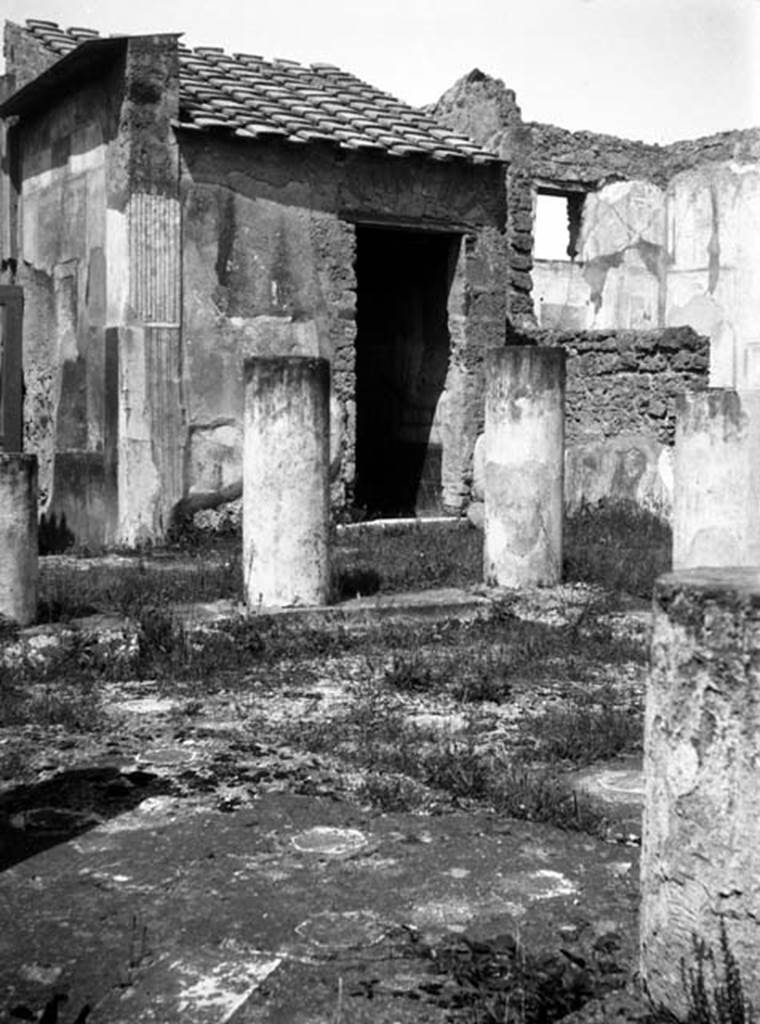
<point>255,98</point>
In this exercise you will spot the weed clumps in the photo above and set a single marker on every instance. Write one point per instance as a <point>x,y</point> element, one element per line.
<point>713,985</point>
<point>617,545</point>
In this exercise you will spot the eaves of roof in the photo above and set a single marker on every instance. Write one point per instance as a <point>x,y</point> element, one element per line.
<point>245,96</point>
<point>88,59</point>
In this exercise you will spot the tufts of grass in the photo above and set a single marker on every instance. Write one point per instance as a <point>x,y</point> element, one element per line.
<point>406,765</point>
<point>586,728</point>
<point>483,675</point>
<point>498,980</point>
<point>712,986</point>
<point>411,673</point>
<point>719,1000</point>
<point>391,792</point>
<point>13,760</point>
<point>401,558</point>
<point>618,545</point>
<point>74,705</point>
<point>67,593</point>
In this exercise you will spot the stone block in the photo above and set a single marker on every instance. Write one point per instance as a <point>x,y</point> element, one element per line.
<point>701,840</point>
<point>18,537</point>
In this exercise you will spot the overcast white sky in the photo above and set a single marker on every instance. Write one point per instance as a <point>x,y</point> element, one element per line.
<point>657,70</point>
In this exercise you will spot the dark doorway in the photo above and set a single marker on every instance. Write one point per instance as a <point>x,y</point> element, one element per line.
<point>402,355</point>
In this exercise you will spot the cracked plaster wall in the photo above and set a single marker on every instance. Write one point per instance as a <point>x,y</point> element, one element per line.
<point>670,233</point>
<point>683,255</point>
<point>61,245</point>
<point>98,249</point>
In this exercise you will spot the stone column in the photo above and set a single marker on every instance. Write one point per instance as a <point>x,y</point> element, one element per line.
<point>716,479</point>
<point>524,459</point>
<point>18,537</point>
<point>286,460</point>
<point>701,841</point>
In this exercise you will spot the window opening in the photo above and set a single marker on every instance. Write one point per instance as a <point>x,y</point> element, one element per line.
<point>557,225</point>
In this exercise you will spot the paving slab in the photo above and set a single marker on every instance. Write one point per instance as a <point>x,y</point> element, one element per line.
<point>619,785</point>
<point>284,910</point>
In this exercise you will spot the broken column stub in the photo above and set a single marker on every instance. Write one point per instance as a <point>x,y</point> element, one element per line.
<point>524,458</point>
<point>18,537</point>
<point>701,841</point>
<point>716,479</point>
<point>286,461</point>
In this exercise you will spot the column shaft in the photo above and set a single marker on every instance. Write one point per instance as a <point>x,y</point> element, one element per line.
<point>18,537</point>
<point>286,459</point>
<point>524,459</point>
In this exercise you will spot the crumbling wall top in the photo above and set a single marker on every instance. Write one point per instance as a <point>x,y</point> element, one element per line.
<point>486,110</point>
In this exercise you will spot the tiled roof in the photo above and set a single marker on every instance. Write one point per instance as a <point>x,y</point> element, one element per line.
<point>259,99</point>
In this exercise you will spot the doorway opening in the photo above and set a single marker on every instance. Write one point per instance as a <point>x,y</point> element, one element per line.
<point>402,354</point>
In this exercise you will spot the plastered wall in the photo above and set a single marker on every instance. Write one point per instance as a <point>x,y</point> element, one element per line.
<point>686,254</point>
<point>62,246</point>
<point>268,268</point>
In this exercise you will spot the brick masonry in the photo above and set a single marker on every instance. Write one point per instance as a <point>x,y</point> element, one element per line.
<point>625,381</point>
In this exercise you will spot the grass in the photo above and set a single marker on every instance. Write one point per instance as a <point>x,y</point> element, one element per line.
<point>396,559</point>
<point>712,986</point>
<point>484,676</point>
<point>615,545</point>
<point>501,981</point>
<point>407,765</point>
<point>587,726</point>
<point>618,545</point>
<point>475,668</point>
<point>717,1000</point>
<point>67,593</point>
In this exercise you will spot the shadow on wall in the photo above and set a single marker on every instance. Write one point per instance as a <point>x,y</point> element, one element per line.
<point>54,535</point>
<point>617,544</point>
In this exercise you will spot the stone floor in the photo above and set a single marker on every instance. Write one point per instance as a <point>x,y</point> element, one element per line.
<point>178,911</point>
<point>154,893</point>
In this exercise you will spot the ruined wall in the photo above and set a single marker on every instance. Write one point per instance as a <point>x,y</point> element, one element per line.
<point>666,233</point>
<point>713,273</point>
<point>268,266</point>
<point>654,257</point>
<point>620,404</point>
<point>554,154</point>
<point>61,250</point>
<point>619,277</point>
<point>626,381</point>
<point>620,407</point>
<point>481,107</point>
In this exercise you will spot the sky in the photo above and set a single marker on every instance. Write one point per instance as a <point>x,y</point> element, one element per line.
<point>656,70</point>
